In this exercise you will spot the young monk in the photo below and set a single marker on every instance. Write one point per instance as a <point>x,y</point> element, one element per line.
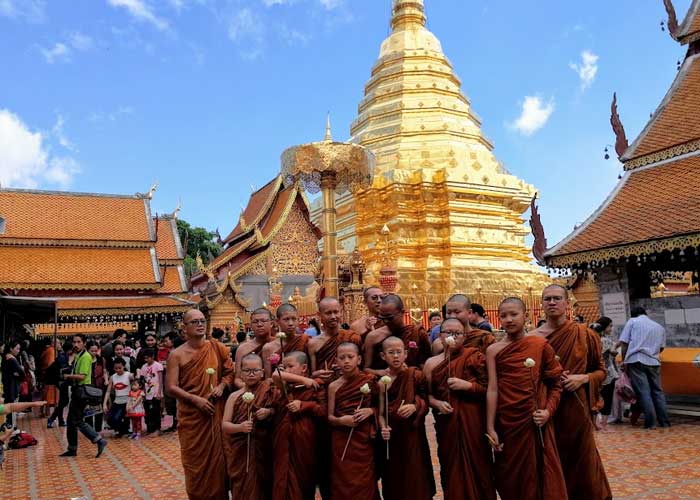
<point>295,456</point>
<point>250,418</point>
<point>287,340</point>
<point>261,321</point>
<point>523,393</point>
<point>457,381</point>
<point>409,471</point>
<point>351,413</point>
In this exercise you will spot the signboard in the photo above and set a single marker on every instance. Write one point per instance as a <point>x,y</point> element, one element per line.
<point>614,306</point>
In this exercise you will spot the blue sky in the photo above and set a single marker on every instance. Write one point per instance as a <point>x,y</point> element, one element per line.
<point>204,95</point>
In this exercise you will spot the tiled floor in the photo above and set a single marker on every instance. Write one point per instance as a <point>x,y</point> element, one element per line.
<point>658,465</point>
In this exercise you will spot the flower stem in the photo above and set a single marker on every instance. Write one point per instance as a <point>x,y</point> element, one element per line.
<point>351,431</point>
<point>386,394</point>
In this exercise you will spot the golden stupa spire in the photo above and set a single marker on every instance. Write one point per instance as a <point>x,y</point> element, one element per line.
<point>407,14</point>
<point>329,136</point>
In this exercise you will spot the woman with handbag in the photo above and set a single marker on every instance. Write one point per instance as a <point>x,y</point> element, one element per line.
<point>81,395</point>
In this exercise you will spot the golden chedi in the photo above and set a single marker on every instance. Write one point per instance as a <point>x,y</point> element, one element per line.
<point>454,212</point>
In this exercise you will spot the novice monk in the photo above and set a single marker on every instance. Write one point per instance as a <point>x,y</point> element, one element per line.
<point>409,471</point>
<point>295,456</point>
<point>242,419</point>
<point>199,405</point>
<point>459,306</point>
<point>365,324</point>
<point>351,410</point>
<point>457,381</point>
<point>261,321</point>
<point>580,355</point>
<point>287,340</point>
<point>414,337</point>
<point>523,393</point>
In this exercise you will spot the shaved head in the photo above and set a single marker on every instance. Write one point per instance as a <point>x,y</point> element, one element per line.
<point>191,314</point>
<point>299,357</point>
<point>393,299</point>
<point>285,308</point>
<point>461,299</point>
<point>349,345</point>
<point>371,291</point>
<point>554,285</point>
<point>392,342</point>
<point>252,357</point>
<point>328,302</point>
<point>262,311</point>
<point>513,300</point>
<point>451,321</point>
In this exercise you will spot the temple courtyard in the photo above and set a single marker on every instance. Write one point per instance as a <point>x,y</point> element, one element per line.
<point>659,465</point>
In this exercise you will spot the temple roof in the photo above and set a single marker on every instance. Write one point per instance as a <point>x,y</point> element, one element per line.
<point>652,209</point>
<point>675,122</point>
<point>168,246</point>
<point>48,215</point>
<point>70,329</point>
<point>24,267</point>
<point>258,206</point>
<point>96,306</point>
<point>173,280</point>
<point>689,30</point>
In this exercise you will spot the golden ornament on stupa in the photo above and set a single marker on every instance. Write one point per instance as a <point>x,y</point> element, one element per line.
<point>454,210</point>
<point>332,168</point>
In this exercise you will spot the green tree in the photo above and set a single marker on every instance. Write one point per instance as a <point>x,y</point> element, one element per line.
<point>197,240</point>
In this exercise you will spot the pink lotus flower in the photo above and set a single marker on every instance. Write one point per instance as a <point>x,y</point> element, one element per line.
<point>274,359</point>
<point>412,345</point>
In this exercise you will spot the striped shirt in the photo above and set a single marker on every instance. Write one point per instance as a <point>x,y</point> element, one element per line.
<point>645,338</point>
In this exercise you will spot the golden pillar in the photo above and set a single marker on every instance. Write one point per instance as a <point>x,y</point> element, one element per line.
<point>329,259</point>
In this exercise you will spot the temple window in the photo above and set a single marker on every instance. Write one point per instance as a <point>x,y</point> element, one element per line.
<point>2,225</point>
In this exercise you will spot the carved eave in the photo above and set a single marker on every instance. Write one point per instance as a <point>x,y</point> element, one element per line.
<point>540,246</point>
<point>621,143</point>
<point>689,30</point>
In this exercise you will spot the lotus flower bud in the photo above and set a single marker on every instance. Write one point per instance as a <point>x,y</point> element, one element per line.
<point>529,363</point>
<point>365,389</point>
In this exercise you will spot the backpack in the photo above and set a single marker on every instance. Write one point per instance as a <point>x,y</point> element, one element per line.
<point>21,440</point>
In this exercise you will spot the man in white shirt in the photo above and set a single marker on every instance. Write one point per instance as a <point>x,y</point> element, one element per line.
<point>642,340</point>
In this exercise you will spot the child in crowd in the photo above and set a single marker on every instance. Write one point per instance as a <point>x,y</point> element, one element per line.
<point>351,414</point>
<point>527,462</point>
<point>294,440</point>
<point>248,423</point>
<point>152,373</point>
<point>119,383</point>
<point>134,409</point>
<point>408,472</point>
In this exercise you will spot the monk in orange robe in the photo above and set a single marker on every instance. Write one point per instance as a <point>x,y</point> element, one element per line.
<point>352,416</point>
<point>459,307</point>
<point>261,322</point>
<point>200,407</point>
<point>247,424</point>
<point>414,337</point>
<point>457,381</point>
<point>287,340</point>
<point>523,394</point>
<point>580,354</point>
<point>370,321</point>
<point>295,456</point>
<point>408,473</point>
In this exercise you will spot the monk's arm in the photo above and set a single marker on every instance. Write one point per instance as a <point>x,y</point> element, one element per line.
<point>239,356</point>
<point>227,424</point>
<point>17,407</point>
<point>267,351</point>
<point>317,408</point>
<point>596,370</point>
<point>332,419</point>
<point>492,391</point>
<point>291,377</point>
<point>437,346</point>
<point>370,344</point>
<point>312,355</point>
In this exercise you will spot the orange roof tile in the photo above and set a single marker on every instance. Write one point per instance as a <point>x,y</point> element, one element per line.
<point>276,215</point>
<point>68,329</point>
<point>77,268</point>
<point>121,305</point>
<point>173,282</point>
<point>675,121</point>
<point>649,204</point>
<point>258,206</point>
<point>168,246</point>
<point>690,28</point>
<point>47,215</point>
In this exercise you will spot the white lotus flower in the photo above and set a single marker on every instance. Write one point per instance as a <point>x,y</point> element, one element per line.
<point>211,371</point>
<point>365,389</point>
<point>282,336</point>
<point>529,363</point>
<point>248,397</point>
<point>386,380</point>
<point>450,341</point>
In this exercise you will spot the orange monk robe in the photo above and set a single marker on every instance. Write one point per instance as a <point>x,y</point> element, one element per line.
<point>579,352</point>
<point>296,343</point>
<point>524,469</point>
<point>481,339</point>
<point>50,393</point>
<point>415,340</point>
<point>355,477</point>
<point>295,456</point>
<point>256,483</point>
<point>409,471</point>
<point>326,354</point>
<point>464,452</point>
<point>200,434</point>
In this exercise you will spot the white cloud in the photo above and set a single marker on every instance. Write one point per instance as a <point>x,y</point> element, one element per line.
<point>59,52</point>
<point>81,42</point>
<point>31,10</point>
<point>59,133</point>
<point>25,159</point>
<point>141,11</point>
<point>270,3</point>
<point>534,115</point>
<point>587,70</point>
<point>98,116</point>
<point>247,30</point>
<point>331,4</point>
<point>294,37</point>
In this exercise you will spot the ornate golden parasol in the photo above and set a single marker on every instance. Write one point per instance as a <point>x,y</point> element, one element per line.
<point>330,167</point>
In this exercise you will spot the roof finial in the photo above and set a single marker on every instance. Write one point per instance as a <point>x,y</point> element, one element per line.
<point>149,195</point>
<point>407,14</point>
<point>328,137</point>
<point>176,212</point>
<point>672,19</point>
<point>621,143</point>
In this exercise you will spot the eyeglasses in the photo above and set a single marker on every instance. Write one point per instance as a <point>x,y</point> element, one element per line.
<point>248,371</point>
<point>553,298</point>
<point>201,321</point>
